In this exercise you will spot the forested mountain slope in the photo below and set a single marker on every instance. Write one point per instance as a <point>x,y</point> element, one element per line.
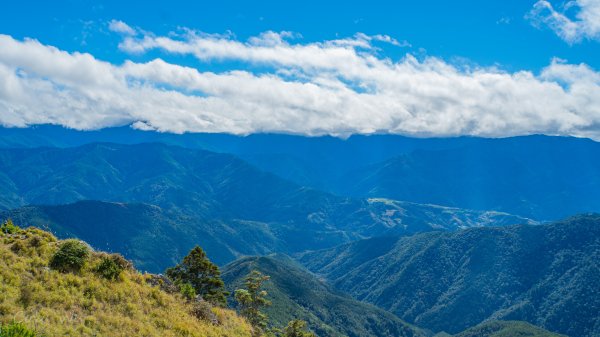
<point>547,275</point>
<point>296,293</point>
<point>540,177</point>
<point>544,178</point>
<point>222,202</point>
<point>506,329</point>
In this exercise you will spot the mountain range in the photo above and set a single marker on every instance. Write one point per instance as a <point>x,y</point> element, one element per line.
<point>538,177</point>
<point>449,235</point>
<point>170,197</point>
<point>547,275</point>
<point>38,297</point>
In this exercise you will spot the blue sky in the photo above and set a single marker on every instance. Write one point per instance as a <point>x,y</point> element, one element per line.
<point>496,32</point>
<point>488,50</point>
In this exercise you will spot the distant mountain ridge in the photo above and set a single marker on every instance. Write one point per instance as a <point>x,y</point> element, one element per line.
<point>547,275</point>
<point>331,203</point>
<point>155,238</point>
<point>152,237</point>
<point>539,177</point>
<point>544,178</point>
<point>218,200</point>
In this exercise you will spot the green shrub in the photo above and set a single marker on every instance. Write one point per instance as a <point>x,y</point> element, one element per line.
<point>188,291</point>
<point>111,266</point>
<point>15,329</point>
<point>8,227</point>
<point>70,257</point>
<point>252,299</point>
<point>18,247</point>
<point>297,328</point>
<point>35,242</point>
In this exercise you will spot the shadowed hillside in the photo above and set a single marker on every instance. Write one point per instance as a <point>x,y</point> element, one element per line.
<point>547,275</point>
<point>540,177</point>
<point>544,178</point>
<point>506,329</point>
<point>297,294</point>
<point>218,200</point>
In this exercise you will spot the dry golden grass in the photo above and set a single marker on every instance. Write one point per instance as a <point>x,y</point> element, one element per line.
<point>83,304</point>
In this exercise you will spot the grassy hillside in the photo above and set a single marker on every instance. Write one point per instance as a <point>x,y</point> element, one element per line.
<point>152,237</point>
<point>547,275</point>
<point>84,304</point>
<point>297,294</point>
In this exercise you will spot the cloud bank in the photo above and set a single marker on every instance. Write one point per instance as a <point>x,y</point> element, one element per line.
<point>337,87</point>
<point>585,25</point>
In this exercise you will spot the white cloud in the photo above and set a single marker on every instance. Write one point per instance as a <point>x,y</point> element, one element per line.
<point>504,21</point>
<point>584,25</point>
<point>335,87</point>
<point>121,27</point>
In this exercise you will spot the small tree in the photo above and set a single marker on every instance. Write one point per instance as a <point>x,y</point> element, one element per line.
<point>197,270</point>
<point>252,299</point>
<point>297,328</point>
<point>70,257</point>
<point>111,266</point>
<point>8,227</point>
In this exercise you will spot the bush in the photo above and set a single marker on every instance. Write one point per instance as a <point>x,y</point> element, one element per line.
<point>188,291</point>
<point>8,227</point>
<point>70,257</point>
<point>111,266</point>
<point>15,330</point>
<point>297,328</point>
<point>202,310</point>
<point>35,242</point>
<point>18,247</point>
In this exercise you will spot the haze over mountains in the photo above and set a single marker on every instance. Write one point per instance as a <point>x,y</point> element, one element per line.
<point>527,176</point>
<point>427,229</point>
<point>189,195</point>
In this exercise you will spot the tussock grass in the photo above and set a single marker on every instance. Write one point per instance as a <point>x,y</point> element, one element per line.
<point>85,304</point>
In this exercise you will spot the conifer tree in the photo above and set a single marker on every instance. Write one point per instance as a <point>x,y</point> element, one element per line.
<point>203,275</point>
<point>252,299</point>
<point>297,328</point>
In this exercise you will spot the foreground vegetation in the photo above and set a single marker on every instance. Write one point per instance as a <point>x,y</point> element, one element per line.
<point>45,291</point>
<point>51,287</point>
